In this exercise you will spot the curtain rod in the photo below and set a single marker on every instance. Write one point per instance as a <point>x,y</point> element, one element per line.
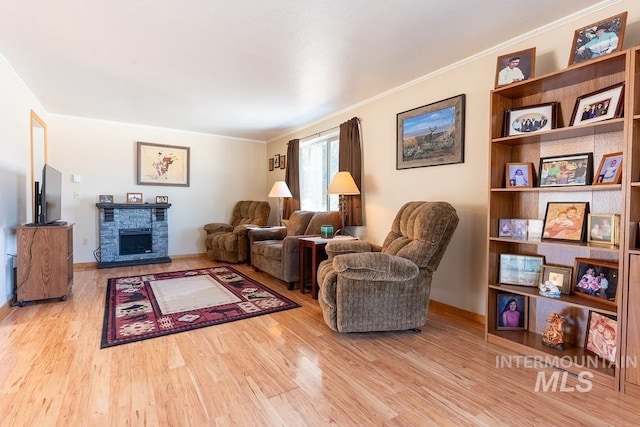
<point>319,134</point>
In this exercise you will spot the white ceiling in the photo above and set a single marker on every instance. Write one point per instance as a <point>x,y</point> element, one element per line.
<point>245,68</point>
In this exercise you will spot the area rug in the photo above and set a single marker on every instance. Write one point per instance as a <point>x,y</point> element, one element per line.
<point>149,306</point>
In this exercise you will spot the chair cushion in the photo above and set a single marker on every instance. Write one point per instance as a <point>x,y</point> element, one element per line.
<point>298,221</point>
<point>323,218</point>
<point>271,249</point>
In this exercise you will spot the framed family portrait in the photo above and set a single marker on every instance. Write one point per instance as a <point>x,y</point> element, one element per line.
<point>565,221</point>
<point>601,336</point>
<point>134,197</point>
<point>162,199</point>
<point>431,135</point>
<point>603,104</point>
<point>558,275</point>
<point>596,279</point>
<point>519,175</point>
<point>160,164</point>
<point>512,311</point>
<point>603,229</point>
<point>530,119</point>
<point>610,169</point>
<point>598,39</point>
<point>515,67</point>
<point>523,270</point>
<point>561,171</point>
<point>504,227</point>
<point>105,198</point>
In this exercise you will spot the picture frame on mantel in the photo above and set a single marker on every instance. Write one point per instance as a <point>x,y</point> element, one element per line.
<point>160,164</point>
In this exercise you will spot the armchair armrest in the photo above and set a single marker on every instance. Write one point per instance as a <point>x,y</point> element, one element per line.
<point>275,233</point>
<point>375,266</point>
<point>217,227</point>
<point>343,246</point>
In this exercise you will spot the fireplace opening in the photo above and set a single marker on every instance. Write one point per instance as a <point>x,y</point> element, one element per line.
<point>135,241</point>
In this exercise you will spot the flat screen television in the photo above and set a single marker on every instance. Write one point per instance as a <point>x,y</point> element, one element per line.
<point>48,200</point>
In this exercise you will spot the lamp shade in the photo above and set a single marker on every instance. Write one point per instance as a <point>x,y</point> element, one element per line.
<point>280,189</point>
<point>343,183</point>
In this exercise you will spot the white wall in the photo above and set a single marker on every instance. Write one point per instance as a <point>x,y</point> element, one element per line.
<point>223,171</point>
<point>460,280</point>
<point>16,102</point>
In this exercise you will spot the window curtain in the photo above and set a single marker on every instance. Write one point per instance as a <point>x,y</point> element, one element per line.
<point>350,159</point>
<point>292,178</point>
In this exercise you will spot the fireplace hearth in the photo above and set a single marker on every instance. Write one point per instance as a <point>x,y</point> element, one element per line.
<point>133,234</point>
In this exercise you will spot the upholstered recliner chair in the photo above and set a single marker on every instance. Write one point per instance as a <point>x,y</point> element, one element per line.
<point>277,251</point>
<point>230,242</point>
<point>364,287</point>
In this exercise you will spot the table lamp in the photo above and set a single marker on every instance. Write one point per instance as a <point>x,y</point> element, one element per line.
<point>343,185</point>
<point>281,191</point>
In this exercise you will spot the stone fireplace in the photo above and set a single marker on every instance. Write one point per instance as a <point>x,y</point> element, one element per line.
<point>133,234</point>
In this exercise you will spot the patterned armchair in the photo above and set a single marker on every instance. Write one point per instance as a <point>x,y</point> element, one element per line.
<point>230,242</point>
<point>364,287</point>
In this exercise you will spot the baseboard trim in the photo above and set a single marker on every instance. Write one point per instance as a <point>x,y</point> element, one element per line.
<point>449,310</point>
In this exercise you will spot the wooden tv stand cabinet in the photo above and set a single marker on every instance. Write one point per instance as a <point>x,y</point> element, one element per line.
<point>45,262</point>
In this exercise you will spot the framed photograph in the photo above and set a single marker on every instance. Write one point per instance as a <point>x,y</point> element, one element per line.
<point>505,228</point>
<point>105,198</point>
<point>604,229</point>
<point>271,164</point>
<point>276,161</point>
<point>519,229</point>
<point>610,169</point>
<point>512,310</point>
<point>598,39</point>
<point>601,336</point>
<point>134,197</point>
<point>534,229</point>
<point>530,119</point>
<point>561,171</point>
<point>519,175</point>
<point>520,270</point>
<point>515,67</point>
<point>558,275</point>
<point>565,221</point>
<point>283,161</point>
<point>162,199</point>
<point>431,135</point>
<point>596,279</point>
<point>596,106</point>
<point>163,165</point>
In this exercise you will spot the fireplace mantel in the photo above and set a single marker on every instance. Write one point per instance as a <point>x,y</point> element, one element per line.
<point>120,221</point>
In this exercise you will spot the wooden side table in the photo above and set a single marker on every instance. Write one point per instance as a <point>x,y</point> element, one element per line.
<point>315,247</point>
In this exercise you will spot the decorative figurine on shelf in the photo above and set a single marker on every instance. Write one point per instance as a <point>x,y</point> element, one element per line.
<point>553,336</point>
<point>548,289</point>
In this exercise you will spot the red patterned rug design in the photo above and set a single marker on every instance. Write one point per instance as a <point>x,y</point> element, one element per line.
<point>149,306</point>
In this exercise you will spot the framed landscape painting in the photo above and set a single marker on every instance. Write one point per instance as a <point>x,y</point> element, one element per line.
<point>431,135</point>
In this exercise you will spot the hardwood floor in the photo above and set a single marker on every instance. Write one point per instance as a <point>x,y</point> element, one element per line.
<point>284,369</point>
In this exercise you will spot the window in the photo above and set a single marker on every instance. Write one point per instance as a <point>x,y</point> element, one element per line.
<point>318,165</point>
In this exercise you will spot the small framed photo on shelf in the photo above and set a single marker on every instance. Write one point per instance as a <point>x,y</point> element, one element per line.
<point>134,197</point>
<point>601,336</point>
<point>504,228</point>
<point>600,105</point>
<point>515,67</point>
<point>598,39</point>
<point>512,310</point>
<point>558,275</point>
<point>610,169</point>
<point>534,229</point>
<point>530,119</point>
<point>520,270</point>
<point>604,229</point>
<point>162,199</point>
<point>519,229</point>
<point>596,280</point>
<point>561,171</point>
<point>519,175</point>
<point>105,198</point>
<point>565,221</point>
